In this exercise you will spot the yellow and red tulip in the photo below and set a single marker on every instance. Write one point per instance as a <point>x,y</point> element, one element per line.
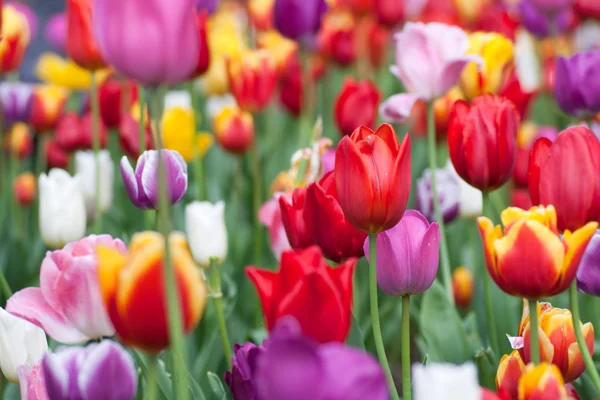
<point>543,381</point>
<point>46,107</point>
<point>25,188</point>
<point>281,48</point>
<point>53,69</point>
<point>234,130</point>
<point>509,372</point>
<point>15,39</point>
<point>463,285</point>
<point>18,141</point>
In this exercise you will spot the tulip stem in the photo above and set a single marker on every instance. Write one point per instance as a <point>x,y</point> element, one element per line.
<point>487,289</point>
<point>256,200</point>
<point>534,340</point>
<point>215,283</point>
<point>445,258</point>
<point>406,392</point>
<point>142,125</point>
<point>4,286</point>
<point>375,317</point>
<point>198,161</point>
<point>180,387</point>
<point>96,146</point>
<point>583,349</point>
<point>151,379</point>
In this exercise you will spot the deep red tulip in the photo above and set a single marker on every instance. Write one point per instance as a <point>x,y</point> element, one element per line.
<point>291,94</point>
<point>513,91</point>
<point>56,157</point>
<point>389,12</point>
<point>372,177</point>
<point>129,136</point>
<point>292,217</point>
<point>588,8</point>
<point>520,198</point>
<point>482,140</point>
<point>203,52</point>
<point>115,96</point>
<point>81,45</point>
<point>356,105</point>
<point>308,289</point>
<point>565,174</point>
<point>87,141</point>
<point>75,133</point>
<point>337,37</point>
<point>332,232</point>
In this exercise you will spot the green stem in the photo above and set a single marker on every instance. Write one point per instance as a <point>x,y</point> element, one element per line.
<point>375,316</point>
<point>256,201</point>
<point>534,340</point>
<point>15,208</point>
<point>96,146</point>
<point>142,126</point>
<point>406,392</point>
<point>585,353</point>
<point>4,287</point>
<point>180,386</point>
<point>198,161</point>
<point>215,282</point>
<point>487,289</point>
<point>151,379</point>
<point>445,258</point>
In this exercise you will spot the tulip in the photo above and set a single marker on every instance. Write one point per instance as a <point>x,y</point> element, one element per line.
<point>204,50</point>
<point>124,35</point>
<point>55,32</point>
<point>542,24</point>
<point>293,219</point>
<point>291,94</point>
<point>16,99</point>
<point>297,19</point>
<point>132,286</point>
<point>588,277</point>
<point>509,372</point>
<point>56,156</point>
<point>513,91</point>
<point>482,141</point>
<point>18,141</point>
<point>21,343</point>
<point>311,371</point>
<point>542,382</point>
<point>520,272</point>
<point>448,189</point>
<point>337,38</point>
<point>326,317</point>
<point>206,230</point>
<point>442,49</point>
<point>520,198</point>
<point>497,54</point>
<point>575,152</point>
<point>178,132</point>
<point>281,49</point>
<point>31,382</point>
<point>588,8</point>
<point>463,285</point>
<point>114,96</point>
<point>373,177</point>
<point>29,14</point>
<point>271,216</point>
<point>74,133</point>
<point>47,105</point>
<point>129,136</point>
<point>552,6</point>
<point>55,70</point>
<point>102,370</point>
<point>576,83</point>
<point>446,381</point>
<point>15,38</point>
<point>252,79</point>
<point>81,46</point>
<point>528,133</point>
<point>24,189</point>
<point>141,185</point>
<point>241,380</point>
<point>216,104</point>
<point>234,130</point>
<point>260,13</point>
<point>356,105</point>
<point>85,167</point>
<point>210,6</point>
<point>62,208</point>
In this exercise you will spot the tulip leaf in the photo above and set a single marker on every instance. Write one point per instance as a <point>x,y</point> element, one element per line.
<point>216,385</point>
<point>195,389</point>
<point>356,337</point>
<point>162,376</point>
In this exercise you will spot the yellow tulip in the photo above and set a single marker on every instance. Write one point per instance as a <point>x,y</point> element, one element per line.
<point>15,39</point>
<point>54,69</point>
<point>178,134</point>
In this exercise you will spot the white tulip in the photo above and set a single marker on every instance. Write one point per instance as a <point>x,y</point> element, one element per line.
<point>62,208</point>
<point>470,198</point>
<point>587,36</point>
<point>85,167</point>
<point>446,381</point>
<point>21,343</point>
<point>207,234</point>
<point>527,65</point>
<point>178,98</point>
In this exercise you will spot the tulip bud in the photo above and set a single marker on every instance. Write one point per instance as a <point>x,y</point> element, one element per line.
<point>575,83</point>
<point>19,141</point>
<point>337,37</point>
<point>48,103</point>
<point>448,188</point>
<point>24,189</point>
<point>62,208</point>
<point>15,35</point>
<point>463,285</point>
<point>509,372</point>
<point>252,79</point>
<point>445,381</point>
<point>206,230</point>
<point>356,105</point>
<point>81,44</point>
<point>204,50</point>
<point>281,49</point>
<point>56,157</point>
<point>114,96</point>
<point>129,136</point>
<point>86,166</point>
<point>543,381</point>
<point>298,19</point>
<point>16,99</point>
<point>234,130</point>
<point>588,272</point>
<point>291,94</point>
<point>241,380</point>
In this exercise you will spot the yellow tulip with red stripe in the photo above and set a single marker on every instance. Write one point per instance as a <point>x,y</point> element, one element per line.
<point>509,373</point>
<point>542,382</point>
<point>529,259</point>
<point>15,38</point>
<point>133,289</point>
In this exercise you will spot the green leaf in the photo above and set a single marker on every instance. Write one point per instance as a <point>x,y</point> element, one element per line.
<point>163,377</point>
<point>195,389</point>
<point>216,385</point>
<point>356,338</point>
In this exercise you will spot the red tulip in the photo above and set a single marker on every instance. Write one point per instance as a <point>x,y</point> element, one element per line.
<point>252,79</point>
<point>291,94</point>
<point>336,40</point>
<point>129,136</point>
<point>389,12</point>
<point>565,174</point>
<point>356,105</point>
<point>115,96</point>
<point>513,91</point>
<point>372,177</point>
<point>74,133</point>
<point>203,52</point>
<point>588,8</point>
<point>292,216</point>
<point>56,157</point>
<point>482,140</point>
<point>81,45</point>
<point>308,289</point>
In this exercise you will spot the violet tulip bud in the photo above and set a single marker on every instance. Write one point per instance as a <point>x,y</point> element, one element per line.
<point>448,188</point>
<point>143,183</point>
<point>407,255</point>
<point>102,370</point>
<point>242,377</point>
<point>588,273</point>
<point>16,99</point>
<point>297,19</point>
<point>577,83</point>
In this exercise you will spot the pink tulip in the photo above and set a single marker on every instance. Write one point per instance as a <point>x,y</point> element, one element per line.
<point>270,216</point>
<point>68,304</point>
<point>31,382</point>
<point>56,31</point>
<point>429,61</point>
<point>152,41</point>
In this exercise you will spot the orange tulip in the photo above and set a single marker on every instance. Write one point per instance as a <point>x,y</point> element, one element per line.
<point>132,286</point>
<point>542,382</point>
<point>18,141</point>
<point>24,189</point>
<point>463,285</point>
<point>81,45</point>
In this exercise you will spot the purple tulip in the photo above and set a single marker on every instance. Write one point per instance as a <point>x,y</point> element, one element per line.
<point>552,6</point>
<point>407,255</point>
<point>540,23</point>
<point>142,184</point>
<point>16,99</point>
<point>152,41</point>
<point>298,19</point>
<point>448,189</point>
<point>577,84</point>
<point>99,371</point>
<point>293,367</point>
<point>210,6</point>
<point>241,378</point>
<point>56,31</point>
<point>588,274</point>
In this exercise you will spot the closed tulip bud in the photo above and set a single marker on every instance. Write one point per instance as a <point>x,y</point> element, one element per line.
<point>448,188</point>
<point>520,272</point>
<point>407,266</point>
<point>114,96</point>
<point>298,19</point>
<point>252,79</point>
<point>509,372</point>
<point>16,99</point>
<point>373,177</point>
<point>169,29</point>
<point>588,273</point>
<point>337,38</point>
<point>142,185</point>
<point>56,156</point>
<point>446,381</point>
<point>137,296</point>
<point>356,105</point>
<point>129,136</point>
<point>102,370</point>
<point>19,141</point>
<point>86,166</point>
<point>179,133</point>
<point>497,54</point>
<point>234,130</point>
<point>244,365</point>
<point>15,35</point>
<point>324,318</point>
<point>463,286</point>
<point>81,45</point>
<point>482,141</point>
<point>206,231</point>
<point>576,80</point>
<point>575,152</point>
<point>48,103</point>
<point>24,189</point>
<point>62,208</point>
<point>293,219</point>
<point>543,381</point>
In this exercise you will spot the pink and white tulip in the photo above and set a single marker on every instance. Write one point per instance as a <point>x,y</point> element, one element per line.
<point>270,216</point>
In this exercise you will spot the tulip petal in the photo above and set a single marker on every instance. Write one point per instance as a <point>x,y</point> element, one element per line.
<point>398,107</point>
<point>537,158</point>
<point>451,72</point>
<point>576,244</point>
<point>576,366</point>
<point>265,283</point>
<point>429,252</point>
<point>134,192</point>
<point>490,234</point>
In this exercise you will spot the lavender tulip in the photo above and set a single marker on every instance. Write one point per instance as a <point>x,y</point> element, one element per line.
<point>241,378</point>
<point>56,31</point>
<point>16,99</point>
<point>142,184</point>
<point>126,33</point>
<point>552,6</point>
<point>541,24</point>
<point>588,274</point>
<point>99,371</point>
<point>577,85</point>
<point>407,255</point>
<point>297,19</point>
<point>448,189</point>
